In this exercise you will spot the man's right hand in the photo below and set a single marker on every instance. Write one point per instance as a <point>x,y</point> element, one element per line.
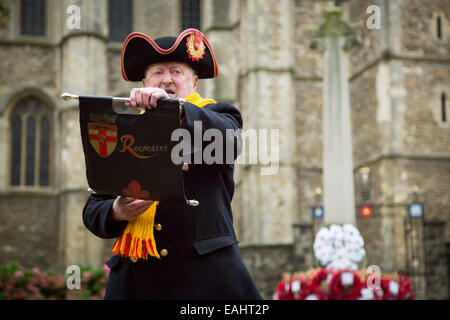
<point>128,209</point>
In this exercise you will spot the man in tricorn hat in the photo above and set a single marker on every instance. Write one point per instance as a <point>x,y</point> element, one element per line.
<point>169,250</point>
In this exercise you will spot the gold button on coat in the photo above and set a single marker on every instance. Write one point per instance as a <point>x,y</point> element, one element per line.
<point>164,252</point>
<point>158,227</point>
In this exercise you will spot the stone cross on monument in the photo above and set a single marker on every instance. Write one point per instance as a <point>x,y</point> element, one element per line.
<point>333,37</point>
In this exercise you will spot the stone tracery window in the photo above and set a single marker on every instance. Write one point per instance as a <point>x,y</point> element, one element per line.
<point>190,14</point>
<point>30,143</point>
<point>120,18</point>
<point>32,17</point>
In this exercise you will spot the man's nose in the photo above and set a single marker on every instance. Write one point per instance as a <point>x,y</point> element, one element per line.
<point>167,78</point>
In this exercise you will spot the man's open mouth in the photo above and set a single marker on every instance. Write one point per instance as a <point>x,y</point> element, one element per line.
<point>170,91</point>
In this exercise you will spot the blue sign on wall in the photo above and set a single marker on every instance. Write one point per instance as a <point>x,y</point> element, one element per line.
<point>317,212</point>
<point>416,210</point>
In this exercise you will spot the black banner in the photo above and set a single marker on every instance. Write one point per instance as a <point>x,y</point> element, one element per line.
<point>130,154</point>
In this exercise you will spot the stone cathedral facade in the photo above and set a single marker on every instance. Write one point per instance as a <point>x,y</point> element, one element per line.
<point>399,76</point>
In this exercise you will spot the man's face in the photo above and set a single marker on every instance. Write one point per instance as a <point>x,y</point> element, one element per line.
<point>176,78</point>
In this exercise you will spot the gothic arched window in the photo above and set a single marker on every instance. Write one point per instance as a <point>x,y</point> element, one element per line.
<point>32,17</point>
<point>120,18</point>
<point>30,143</point>
<point>190,14</point>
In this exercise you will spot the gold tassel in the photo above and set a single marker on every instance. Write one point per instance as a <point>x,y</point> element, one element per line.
<point>137,240</point>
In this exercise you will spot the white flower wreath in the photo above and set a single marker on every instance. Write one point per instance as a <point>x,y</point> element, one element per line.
<point>339,247</point>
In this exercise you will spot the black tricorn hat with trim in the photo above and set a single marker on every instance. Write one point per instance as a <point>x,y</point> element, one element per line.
<point>191,47</point>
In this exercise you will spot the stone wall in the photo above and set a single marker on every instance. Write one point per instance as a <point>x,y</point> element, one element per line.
<point>433,179</point>
<point>29,229</point>
<point>373,42</point>
<point>266,263</point>
<point>304,258</point>
<point>308,181</point>
<point>157,18</point>
<point>117,85</point>
<point>27,66</point>
<point>384,238</point>
<point>30,220</point>
<point>448,265</point>
<point>418,27</point>
<point>266,98</point>
<point>308,106</point>
<point>424,132</point>
<point>308,129</point>
<point>398,74</point>
<point>436,264</point>
<point>307,15</point>
<point>369,130</point>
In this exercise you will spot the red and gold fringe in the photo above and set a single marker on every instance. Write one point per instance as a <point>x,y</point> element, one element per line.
<point>137,240</point>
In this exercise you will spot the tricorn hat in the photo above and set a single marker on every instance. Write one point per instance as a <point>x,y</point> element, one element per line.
<point>191,47</point>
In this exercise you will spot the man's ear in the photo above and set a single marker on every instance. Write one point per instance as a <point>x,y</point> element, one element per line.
<point>195,79</point>
<point>143,82</point>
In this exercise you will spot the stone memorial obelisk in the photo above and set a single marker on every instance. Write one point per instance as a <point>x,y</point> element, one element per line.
<point>333,36</point>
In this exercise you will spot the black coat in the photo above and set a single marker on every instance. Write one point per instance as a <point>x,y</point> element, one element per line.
<point>203,260</point>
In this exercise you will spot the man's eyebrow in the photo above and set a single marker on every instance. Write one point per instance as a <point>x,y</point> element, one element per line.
<point>154,69</point>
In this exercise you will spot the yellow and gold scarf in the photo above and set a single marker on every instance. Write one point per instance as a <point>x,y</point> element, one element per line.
<point>137,240</point>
